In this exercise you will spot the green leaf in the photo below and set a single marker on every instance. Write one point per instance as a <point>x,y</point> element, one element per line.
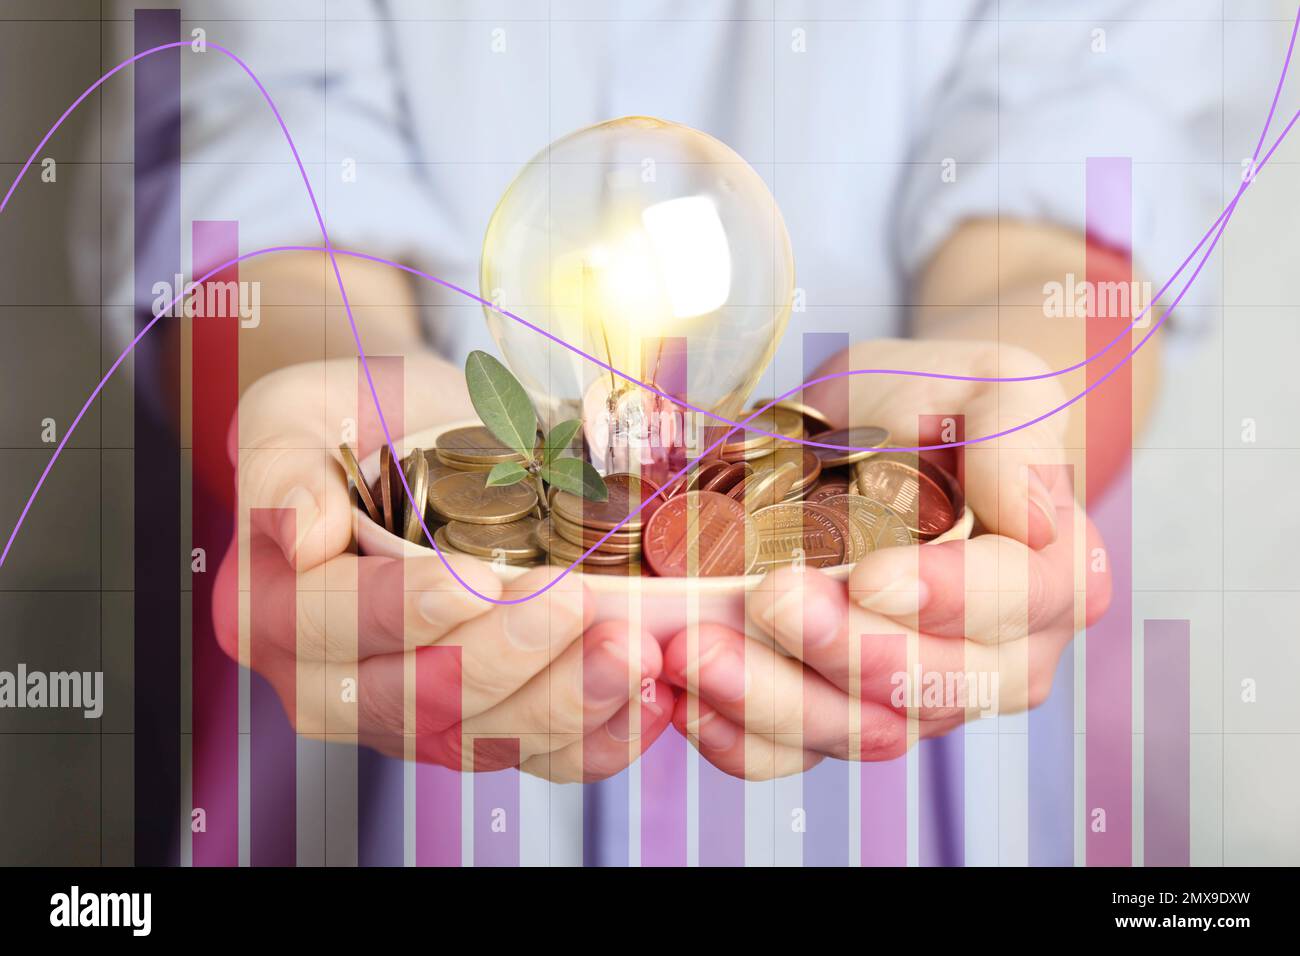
<point>576,477</point>
<point>559,440</point>
<point>501,402</point>
<point>506,473</point>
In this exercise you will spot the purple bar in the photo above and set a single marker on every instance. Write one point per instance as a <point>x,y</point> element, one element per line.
<point>826,786</point>
<point>884,782</point>
<point>1051,738</point>
<point>379,789</point>
<point>496,804</point>
<point>941,761</point>
<point>1166,743</point>
<point>272,611</point>
<point>1108,785</point>
<point>157,225</point>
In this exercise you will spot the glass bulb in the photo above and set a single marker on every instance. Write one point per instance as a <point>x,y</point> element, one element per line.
<point>655,248</point>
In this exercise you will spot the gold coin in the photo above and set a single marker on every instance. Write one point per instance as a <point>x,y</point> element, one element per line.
<point>854,513</point>
<point>627,493</point>
<point>885,526</point>
<point>566,552</point>
<point>812,416</point>
<point>437,467</point>
<point>810,466</point>
<point>617,543</point>
<point>514,541</point>
<point>417,479</point>
<point>386,486</point>
<point>474,445</point>
<point>764,488</point>
<point>440,539</point>
<point>466,497</point>
<point>454,464</point>
<point>358,481</point>
<point>865,437</point>
<point>787,532</point>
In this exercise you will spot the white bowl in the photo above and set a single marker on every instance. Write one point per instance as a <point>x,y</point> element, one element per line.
<point>663,602</point>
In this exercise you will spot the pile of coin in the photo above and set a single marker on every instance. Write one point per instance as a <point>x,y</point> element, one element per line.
<point>761,502</point>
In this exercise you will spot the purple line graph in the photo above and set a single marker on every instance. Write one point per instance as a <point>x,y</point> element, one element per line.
<point>1215,231</point>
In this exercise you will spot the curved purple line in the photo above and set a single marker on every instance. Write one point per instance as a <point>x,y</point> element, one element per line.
<point>1220,223</point>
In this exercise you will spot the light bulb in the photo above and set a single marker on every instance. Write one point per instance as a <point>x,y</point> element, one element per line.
<point>655,248</point>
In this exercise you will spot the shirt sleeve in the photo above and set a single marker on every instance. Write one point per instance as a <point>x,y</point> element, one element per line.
<point>337,86</point>
<point>1027,102</point>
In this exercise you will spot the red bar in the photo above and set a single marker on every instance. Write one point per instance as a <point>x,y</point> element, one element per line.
<point>215,676</point>
<point>438,775</point>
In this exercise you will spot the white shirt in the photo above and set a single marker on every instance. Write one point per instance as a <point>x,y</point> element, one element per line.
<point>878,126</point>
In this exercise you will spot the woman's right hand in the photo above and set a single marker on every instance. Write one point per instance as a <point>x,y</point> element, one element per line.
<point>398,654</point>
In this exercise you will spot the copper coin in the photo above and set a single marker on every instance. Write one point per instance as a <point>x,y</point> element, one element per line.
<point>627,493</point>
<point>912,488</point>
<point>353,469</point>
<point>566,552</point>
<point>387,482</point>
<point>726,479</point>
<point>765,488</point>
<point>701,532</point>
<point>777,421</point>
<point>857,523</point>
<point>417,479</point>
<point>865,437</point>
<point>474,445</point>
<point>707,469</point>
<point>514,541</point>
<point>437,468</point>
<point>466,497</point>
<point>787,532</point>
<point>440,539</point>
<point>885,527</point>
<point>810,466</point>
<point>675,485</point>
<point>814,420</point>
<point>828,488</point>
<point>617,543</point>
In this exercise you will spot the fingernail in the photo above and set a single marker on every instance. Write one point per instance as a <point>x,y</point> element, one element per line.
<point>301,513</point>
<point>605,674</point>
<point>905,595</point>
<point>713,733</point>
<point>722,673</point>
<point>1041,499</point>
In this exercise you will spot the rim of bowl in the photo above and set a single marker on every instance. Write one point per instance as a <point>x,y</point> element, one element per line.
<point>425,439</point>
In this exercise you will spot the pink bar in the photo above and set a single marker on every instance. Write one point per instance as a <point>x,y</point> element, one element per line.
<point>1166,744</point>
<point>215,676</point>
<point>884,782</point>
<point>1108,787</point>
